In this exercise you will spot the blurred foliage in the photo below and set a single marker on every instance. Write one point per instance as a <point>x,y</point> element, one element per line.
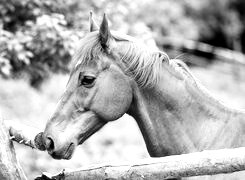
<point>34,39</point>
<point>217,22</point>
<point>39,36</point>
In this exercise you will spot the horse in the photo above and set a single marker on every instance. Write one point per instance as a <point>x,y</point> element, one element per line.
<point>113,74</point>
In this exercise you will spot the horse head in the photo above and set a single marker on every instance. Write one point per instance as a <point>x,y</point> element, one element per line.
<point>98,91</point>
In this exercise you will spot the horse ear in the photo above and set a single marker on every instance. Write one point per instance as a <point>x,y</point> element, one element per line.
<point>92,24</point>
<point>104,32</point>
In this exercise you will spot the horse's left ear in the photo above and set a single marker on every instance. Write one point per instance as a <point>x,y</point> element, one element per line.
<point>104,33</point>
<point>92,24</point>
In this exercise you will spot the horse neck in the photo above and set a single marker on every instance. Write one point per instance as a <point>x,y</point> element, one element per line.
<point>178,116</point>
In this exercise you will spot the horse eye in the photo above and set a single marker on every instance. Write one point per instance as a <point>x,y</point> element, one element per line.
<point>87,81</point>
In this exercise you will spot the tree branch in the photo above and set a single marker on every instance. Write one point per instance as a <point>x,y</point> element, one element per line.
<point>25,135</point>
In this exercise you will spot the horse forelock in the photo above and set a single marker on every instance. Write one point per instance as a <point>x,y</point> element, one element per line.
<point>88,48</point>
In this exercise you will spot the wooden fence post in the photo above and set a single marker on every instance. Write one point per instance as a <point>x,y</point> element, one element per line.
<point>9,166</point>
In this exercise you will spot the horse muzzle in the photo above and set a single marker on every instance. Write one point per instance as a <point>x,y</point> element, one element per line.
<point>47,143</point>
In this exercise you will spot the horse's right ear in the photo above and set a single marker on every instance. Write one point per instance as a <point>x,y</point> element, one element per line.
<point>92,24</point>
<point>104,33</point>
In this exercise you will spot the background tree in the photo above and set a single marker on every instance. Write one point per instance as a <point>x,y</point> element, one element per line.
<point>39,37</point>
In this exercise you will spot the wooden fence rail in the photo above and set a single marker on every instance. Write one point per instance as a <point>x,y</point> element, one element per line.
<point>194,164</point>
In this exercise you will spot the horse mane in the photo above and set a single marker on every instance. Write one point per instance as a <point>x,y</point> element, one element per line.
<point>141,63</point>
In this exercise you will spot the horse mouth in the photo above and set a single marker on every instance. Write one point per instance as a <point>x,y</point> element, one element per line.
<point>66,155</point>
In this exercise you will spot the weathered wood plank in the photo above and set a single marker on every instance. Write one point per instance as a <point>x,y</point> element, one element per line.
<point>194,164</point>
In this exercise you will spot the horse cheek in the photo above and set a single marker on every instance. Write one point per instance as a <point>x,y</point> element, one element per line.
<point>112,101</point>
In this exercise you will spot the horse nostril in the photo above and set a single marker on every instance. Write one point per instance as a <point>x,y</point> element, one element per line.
<point>49,144</point>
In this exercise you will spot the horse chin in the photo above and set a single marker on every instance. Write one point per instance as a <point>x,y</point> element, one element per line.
<point>70,151</point>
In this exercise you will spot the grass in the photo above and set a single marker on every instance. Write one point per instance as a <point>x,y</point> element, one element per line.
<point>118,141</point>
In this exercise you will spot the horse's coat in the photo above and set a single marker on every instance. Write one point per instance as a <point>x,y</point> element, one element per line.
<point>113,75</point>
